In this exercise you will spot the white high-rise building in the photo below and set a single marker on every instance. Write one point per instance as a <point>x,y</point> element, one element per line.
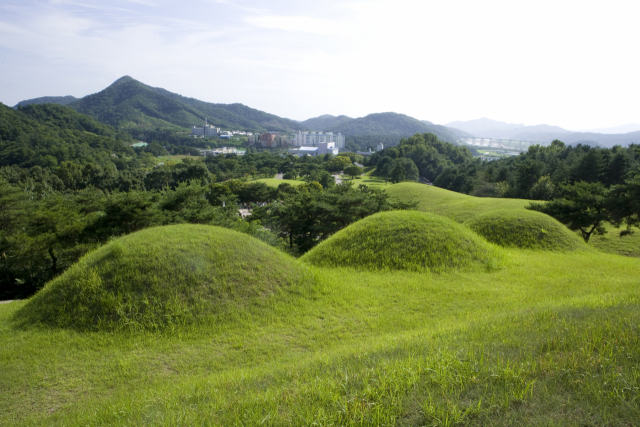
<point>312,139</point>
<point>207,130</point>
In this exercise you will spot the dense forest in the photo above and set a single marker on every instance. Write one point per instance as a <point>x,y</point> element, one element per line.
<point>69,183</point>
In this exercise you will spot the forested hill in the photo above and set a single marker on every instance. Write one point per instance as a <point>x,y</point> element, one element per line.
<point>325,121</point>
<point>128,103</point>
<point>46,135</point>
<point>391,124</point>
<point>248,115</point>
<point>61,100</point>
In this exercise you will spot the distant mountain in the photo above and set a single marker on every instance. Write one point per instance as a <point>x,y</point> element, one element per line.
<point>62,100</point>
<point>480,127</point>
<point>378,124</point>
<point>631,127</point>
<point>457,132</point>
<point>602,140</point>
<point>325,121</point>
<point>488,128</point>
<point>128,103</point>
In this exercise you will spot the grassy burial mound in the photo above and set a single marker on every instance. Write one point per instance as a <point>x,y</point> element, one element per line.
<point>406,240</point>
<point>525,230</point>
<point>162,277</point>
<point>457,206</point>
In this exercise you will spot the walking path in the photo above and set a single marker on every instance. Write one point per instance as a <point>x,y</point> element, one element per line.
<point>338,179</point>
<point>279,176</point>
<point>6,302</point>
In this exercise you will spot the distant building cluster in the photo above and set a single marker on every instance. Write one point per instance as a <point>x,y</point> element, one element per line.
<point>209,130</point>
<point>321,149</point>
<point>380,147</point>
<point>221,151</point>
<point>312,139</point>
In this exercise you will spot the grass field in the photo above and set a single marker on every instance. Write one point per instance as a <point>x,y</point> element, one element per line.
<point>547,338</point>
<point>551,340</point>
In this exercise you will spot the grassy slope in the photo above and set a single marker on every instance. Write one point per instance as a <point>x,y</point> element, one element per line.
<point>406,240</point>
<point>525,229</point>
<point>551,340</point>
<point>457,206</point>
<point>164,277</point>
<point>461,208</point>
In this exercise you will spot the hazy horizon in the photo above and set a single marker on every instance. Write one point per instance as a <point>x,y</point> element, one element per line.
<point>561,63</point>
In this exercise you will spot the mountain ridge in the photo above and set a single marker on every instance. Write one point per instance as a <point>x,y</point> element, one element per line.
<point>60,100</point>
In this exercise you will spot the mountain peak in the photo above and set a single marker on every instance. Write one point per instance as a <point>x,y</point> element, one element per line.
<point>123,80</point>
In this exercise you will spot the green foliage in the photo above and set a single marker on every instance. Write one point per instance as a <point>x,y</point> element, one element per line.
<point>456,206</point>
<point>540,172</point>
<point>398,173</point>
<point>421,155</point>
<point>415,241</point>
<point>525,230</point>
<point>164,277</point>
<point>583,207</point>
<point>45,135</point>
<point>353,171</point>
<point>309,214</point>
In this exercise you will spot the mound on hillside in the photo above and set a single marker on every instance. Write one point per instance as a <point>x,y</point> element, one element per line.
<point>526,230</point>
<point>457,206</point>
<point>406,240</point>
<point>162,277</point>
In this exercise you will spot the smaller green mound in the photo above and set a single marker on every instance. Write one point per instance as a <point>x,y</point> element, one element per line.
<point>164,277</point>
<point>525,230</point>
<point>407,240</point>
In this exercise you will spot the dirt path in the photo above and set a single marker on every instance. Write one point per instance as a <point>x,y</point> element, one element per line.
<point>6,302</point>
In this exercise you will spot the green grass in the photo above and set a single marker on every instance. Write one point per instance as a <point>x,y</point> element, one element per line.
<point>551,340</point>
<point>164,277</point>
<point>525,229</point>
<point>456,206</point>
<point>406,240</point>
<point>613,243</point>
<point>272,182</point>
<point>461,208</point>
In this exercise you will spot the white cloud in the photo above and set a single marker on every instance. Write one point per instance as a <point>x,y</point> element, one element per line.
<point>564,62</point>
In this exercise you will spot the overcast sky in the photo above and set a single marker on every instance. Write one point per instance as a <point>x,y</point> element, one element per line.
<point>571,63</point>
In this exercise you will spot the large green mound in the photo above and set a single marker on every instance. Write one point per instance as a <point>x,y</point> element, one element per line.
<point>162,277</point>
<point>406,240</point>
<point>526,230</point>
<point>457,206</point>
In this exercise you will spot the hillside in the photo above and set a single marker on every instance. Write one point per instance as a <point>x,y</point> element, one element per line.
<point>61,100</point>
<point>325,121</point>
<point>390,124</point>
<point>128,103</point>
<point>44,135</point>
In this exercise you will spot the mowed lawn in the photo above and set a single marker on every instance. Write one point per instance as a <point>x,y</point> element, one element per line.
<point>551,339</point>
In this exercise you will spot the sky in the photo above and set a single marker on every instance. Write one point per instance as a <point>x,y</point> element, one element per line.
<point>570,63</point>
